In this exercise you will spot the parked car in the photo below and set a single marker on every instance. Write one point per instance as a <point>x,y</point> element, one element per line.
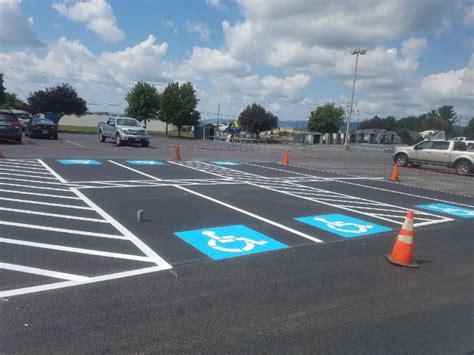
<point>41,127</point>
<point>23,117</point>
<point>123,130</point>
<point>453,154</point>
<point>10,127</point>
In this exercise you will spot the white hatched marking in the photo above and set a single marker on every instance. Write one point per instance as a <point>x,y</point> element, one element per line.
<point>42,272</point>
<point>24,171</point>
<point>30,176</point>
<point>53,215</point>
<point>33,187</point>
<point>63,230</point>
<point>38,194</point>
<point>20,166</point>
<point>57,285</point>
<point>52,172</point>
<point>34,181</point>
<point>76,250</point>
<point>45,203</point>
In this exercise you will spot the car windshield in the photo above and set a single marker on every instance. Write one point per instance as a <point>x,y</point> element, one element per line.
<point>7,117</point>
<point>23,116</point>
<point>127,122</point>
<point>42,121</point>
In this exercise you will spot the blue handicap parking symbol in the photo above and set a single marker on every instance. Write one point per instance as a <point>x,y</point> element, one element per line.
<point>78,162</point>
<point>229,242</point>
<point>228,163</point>
<point>449,209</point>
<point>345,226</point>
<point>144,162</point>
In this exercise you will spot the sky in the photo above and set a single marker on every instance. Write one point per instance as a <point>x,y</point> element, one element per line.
<point>290,56</point>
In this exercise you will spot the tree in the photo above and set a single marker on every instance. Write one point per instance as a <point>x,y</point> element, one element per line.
<point>255,119</point>
<point>2,90</point>
<point>448,114</point>
<point>326,119</point>
<point>469,129</point>
<point>143,102</point>
<point>61,100</point>
<point>178,106</point>
<point>13,102</point>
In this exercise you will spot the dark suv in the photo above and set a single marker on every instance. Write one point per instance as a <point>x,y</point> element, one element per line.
<point>10,127</point>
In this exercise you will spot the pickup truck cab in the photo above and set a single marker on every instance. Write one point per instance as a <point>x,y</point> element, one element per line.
<point>123,130</point>
<point>453,154</point>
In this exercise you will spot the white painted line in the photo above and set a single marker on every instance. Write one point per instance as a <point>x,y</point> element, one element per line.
<point>45,203</point>
<point>194,168</point>
<point>24,171</point>
<point>30,176</point>
<point>33,187</point>
<point>406,194</point>
<point>33,181</point>
<point>52,172</point>
<point>62,230</point>
<point>54,215</point>
<point>74,143</point>
<point>135,170</point>
<point>38,194</point>
<point>76,250</point>
<point>281,226</point>
<point>129,235</point>
<point>19,166</point>
<point>42,272</point>
<point>58,285</point>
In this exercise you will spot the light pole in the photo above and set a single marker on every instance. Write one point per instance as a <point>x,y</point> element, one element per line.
<point>356,51</point>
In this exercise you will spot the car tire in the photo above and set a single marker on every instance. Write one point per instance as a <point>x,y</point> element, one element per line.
<point>102,138</point>
<point>463,166</point>
<point>118,140</point>
<point>401,159</point>
<point>415,165</point>
<point>55,137</point>
<point>145,143</point>
<point>32,135</point>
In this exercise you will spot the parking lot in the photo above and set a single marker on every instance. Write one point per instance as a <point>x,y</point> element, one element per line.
<point>234,249</point>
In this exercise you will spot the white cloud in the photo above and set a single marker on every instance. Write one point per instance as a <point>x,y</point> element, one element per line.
<point>170,24</point>
<point>200,28</point>
<point>468,18</point>
<point>15,28</point>
<point>97,14</point>
<point>215,3</point>
<point>208,61</point>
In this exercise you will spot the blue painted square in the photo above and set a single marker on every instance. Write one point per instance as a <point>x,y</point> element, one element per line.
<point>229,241</point>
<point>449,209</point>
<point>78,162</point>
<point>345,226</point>
<point>144,162</point>
<point>226,163</point>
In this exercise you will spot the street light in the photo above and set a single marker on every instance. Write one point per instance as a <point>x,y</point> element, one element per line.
<point>356,51</point>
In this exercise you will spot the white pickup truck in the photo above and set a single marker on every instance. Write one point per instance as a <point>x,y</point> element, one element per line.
<point>123,130</point>
<point>453,154</point>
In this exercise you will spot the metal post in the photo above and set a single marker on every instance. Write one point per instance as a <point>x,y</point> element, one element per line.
<point>356,52</point>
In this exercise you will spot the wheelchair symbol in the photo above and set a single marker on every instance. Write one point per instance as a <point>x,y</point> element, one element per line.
<point>214,241</point>
<point>346,227</point>
<point>454,211</point>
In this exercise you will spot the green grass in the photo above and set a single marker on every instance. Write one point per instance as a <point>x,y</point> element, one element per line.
<point>93,130</point>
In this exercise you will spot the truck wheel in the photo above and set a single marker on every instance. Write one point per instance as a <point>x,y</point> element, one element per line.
<point>463,166</point>
<point>102,138</point>
<point>145,143</point>
<point>118,140</point>
<point>401,159</point>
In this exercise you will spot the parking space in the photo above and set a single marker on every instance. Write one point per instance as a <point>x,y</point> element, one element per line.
<point>68,222</point>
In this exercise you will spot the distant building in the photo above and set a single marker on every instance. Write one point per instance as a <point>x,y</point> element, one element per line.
<point>309,137</point>
<point>377,136</point>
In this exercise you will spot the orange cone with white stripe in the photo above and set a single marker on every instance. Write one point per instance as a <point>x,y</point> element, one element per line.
<point>402,252</point>
<point>286,158</point>
<point>394,176</point>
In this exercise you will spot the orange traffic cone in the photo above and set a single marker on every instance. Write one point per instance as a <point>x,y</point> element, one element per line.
<point>1,154</point>
<point>286,158</point>
<point>394,176</point>
<point>402,252</point>
<point>177,153</point>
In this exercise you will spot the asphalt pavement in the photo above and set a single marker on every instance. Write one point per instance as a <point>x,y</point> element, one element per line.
<point>236,252</point>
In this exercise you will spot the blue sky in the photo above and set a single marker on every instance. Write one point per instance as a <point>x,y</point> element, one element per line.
<point>289,56</point>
